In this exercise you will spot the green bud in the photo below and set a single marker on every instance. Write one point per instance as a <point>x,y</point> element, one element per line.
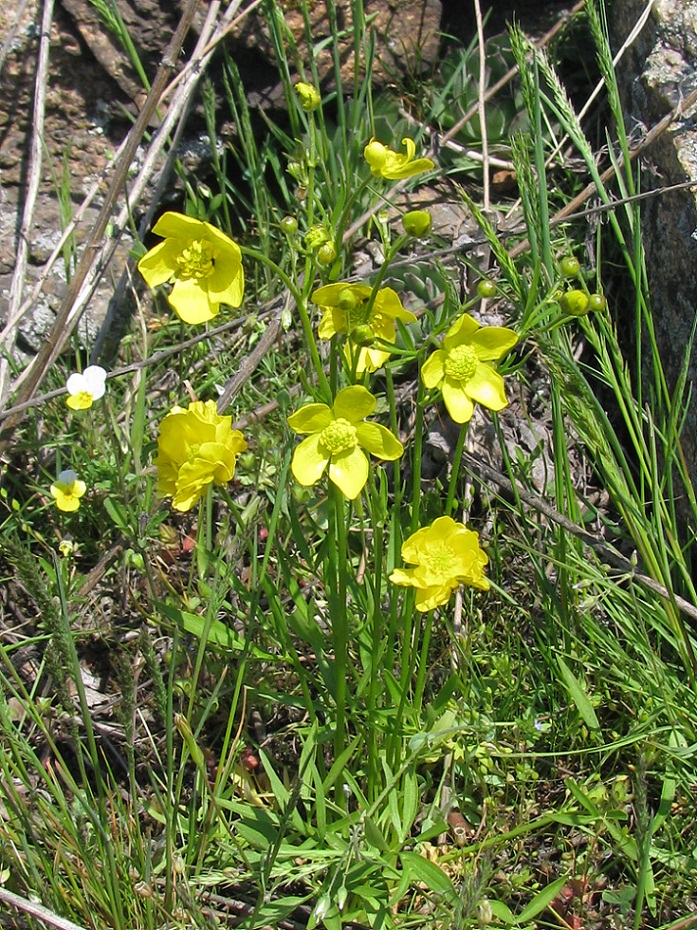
<point>596,303</point>
<point>417,223</point>
<point>289,225</point>
<point>569,266</point>
<point>326,253</point>
<point>486,288</point>
<point>362,335</point>
<point>316,236</point>
<point>308,95</point>
<point>575,303</point>
<point>347,299</point>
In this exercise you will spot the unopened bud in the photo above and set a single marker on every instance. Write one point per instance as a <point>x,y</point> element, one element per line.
<point>417,223</point>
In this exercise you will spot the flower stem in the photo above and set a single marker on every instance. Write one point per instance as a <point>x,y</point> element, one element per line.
<point>336,596</point>
<point>455,470</point>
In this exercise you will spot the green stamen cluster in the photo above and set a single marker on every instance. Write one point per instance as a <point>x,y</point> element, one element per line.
<point>339,436</point>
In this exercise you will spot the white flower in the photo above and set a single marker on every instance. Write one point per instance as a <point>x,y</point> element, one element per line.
<point>85,388</point>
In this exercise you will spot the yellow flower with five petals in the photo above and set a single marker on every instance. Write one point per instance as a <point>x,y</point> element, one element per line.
<point>347,309</point>
<point>338,437</point>
<point>386,163</point>
<point>196,447</point>
<point>444,555</point>
<point>461,370</point>
<point>203,263</point>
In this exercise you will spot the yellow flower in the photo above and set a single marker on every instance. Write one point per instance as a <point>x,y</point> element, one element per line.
<point>308,95</point>
<point>205,265</point>
<point>445,555</point>
<point>196,447</point>
<point>460,368</point>
<point>386,163</point>
<point>67,489</point>
<point>347,310</point>
<point>86,387</point>
<point>336,437</point>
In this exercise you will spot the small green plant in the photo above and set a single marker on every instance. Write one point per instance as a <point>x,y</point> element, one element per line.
<point>261,654</point>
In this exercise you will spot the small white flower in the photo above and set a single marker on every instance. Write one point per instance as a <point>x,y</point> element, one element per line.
<point>85,388</point>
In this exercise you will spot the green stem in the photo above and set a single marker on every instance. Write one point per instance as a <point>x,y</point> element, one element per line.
<point>301,305</point>
<point>455,470</point>
<point>423,665</point>
<point>336,595</point>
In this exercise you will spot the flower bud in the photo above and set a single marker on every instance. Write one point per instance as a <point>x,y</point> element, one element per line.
<point>486,288</point>
<point>347,299</point>
<point>308,95</point>
<point>575,303</point>
<point>596,303</point>
<point>569,266</point>
<point>375,153</point>
<point>316,236</point>
<point>362,335</point>
<point>326,253</point>
<point>417,223</point>
<point>289,225</point>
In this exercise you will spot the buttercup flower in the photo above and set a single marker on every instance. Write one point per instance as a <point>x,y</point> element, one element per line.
<point>204,264</point>
<point>386,163</point>
<point>86,387</point>
<point>460,368</point>
<point>346,311</point>
<point>67,489</point>
<point>196,447</point>
<point>445,555</point>
<point>337,437</point>
<point>308,95</point>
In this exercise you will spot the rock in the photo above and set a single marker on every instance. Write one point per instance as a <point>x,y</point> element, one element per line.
<point>660,70</point>
<point>406,34</point>
<point>93,87</point>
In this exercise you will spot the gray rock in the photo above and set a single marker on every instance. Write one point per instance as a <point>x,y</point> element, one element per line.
<point>659,71</point>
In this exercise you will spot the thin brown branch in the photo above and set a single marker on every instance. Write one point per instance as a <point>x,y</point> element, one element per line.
<point>32,189</point>
<point>61,331</point>
<point>37,910</point>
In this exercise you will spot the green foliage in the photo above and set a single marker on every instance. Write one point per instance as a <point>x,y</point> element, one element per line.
<point>237,706</point>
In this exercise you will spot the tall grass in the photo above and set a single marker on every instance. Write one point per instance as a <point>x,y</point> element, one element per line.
<point>231,715</point>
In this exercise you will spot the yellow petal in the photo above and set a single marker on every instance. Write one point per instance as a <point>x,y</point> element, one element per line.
<point>379,441</point>
<point>192,303</point>
<point>172,225</point>
<point>486,387</point>
<point>349,472</point>
<point>160,264</point>
<point>492,342</point>
<point>459,405</point>
<point>312,418</point>
<point>226,284</point>
<point>433,370</point>
<point>309,461</point>
<point>80,401</point>
<point>430,598</point>
<point>461,332</point>
<point>333,322</point>
<point>354,403</point>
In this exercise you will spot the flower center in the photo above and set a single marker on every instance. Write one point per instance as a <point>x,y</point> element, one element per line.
<point>439,559</point>
<point>82,400</point>
<point>339,436</point>
<point>461,363</point>
<point>196,260</point>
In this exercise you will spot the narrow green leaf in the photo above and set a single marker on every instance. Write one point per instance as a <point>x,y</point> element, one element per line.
<point>578,696</point>
<point>542,900</point>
